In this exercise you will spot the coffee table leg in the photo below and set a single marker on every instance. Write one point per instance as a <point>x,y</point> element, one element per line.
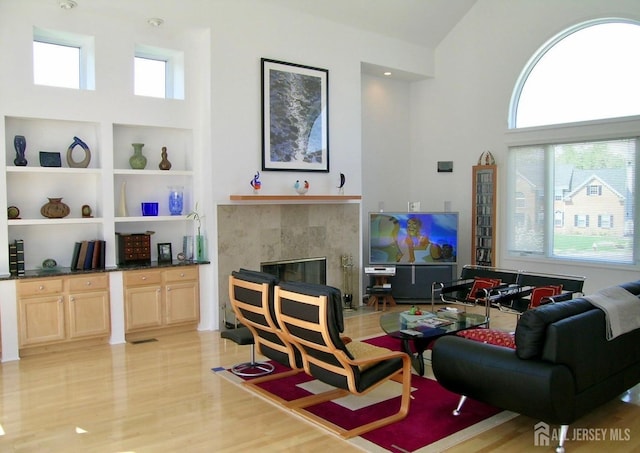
<point>417,359</point>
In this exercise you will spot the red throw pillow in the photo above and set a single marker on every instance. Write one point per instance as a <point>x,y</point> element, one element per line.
<point>543,291</point>
<point>490,336</point>
<point>482,283</point>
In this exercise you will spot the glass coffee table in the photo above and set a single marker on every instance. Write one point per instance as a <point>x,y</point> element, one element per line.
<point>423,329</point>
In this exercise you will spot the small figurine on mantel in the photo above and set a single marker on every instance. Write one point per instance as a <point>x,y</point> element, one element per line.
<point>164,163</point>
<point>343,180</point>
<point>301,188</point>
<point>486,158</point>
<point>255,183</point>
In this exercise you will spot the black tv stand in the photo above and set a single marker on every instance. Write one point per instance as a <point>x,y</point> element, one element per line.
<point>413,283</point>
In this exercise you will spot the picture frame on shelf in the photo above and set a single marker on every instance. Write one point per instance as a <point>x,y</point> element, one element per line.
<point>164,252</point>
<point>295,117</point>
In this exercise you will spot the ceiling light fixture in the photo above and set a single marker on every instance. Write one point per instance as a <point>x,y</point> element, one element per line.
<point>387,73</point>
<point>67,4</point>
<point>155,21</point>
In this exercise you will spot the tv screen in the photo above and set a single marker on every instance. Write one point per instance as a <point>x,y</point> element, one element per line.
<point>413,237</point>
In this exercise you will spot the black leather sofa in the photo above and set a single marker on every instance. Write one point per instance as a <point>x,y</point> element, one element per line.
<point>562,368</point>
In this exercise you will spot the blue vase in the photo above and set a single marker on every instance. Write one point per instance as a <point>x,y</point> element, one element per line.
<point>175,200</point>
<point>20,144</point>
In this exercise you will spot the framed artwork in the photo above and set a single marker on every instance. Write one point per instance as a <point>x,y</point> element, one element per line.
<point>295,117</point>
<point>164,252</point>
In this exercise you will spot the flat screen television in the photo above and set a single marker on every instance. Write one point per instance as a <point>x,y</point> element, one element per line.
<point>417,238</point>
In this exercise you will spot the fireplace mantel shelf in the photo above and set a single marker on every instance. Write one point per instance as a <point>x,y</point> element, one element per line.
<point>302,198</point>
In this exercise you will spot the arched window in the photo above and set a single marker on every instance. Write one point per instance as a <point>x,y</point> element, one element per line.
<point>578,172</point>
<point>588,72</point>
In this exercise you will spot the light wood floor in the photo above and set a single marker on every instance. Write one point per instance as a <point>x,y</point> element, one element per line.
<point>163,397</point>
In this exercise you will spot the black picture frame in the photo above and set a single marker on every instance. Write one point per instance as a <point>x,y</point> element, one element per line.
<point>295,117</point>
<point>164,252</point>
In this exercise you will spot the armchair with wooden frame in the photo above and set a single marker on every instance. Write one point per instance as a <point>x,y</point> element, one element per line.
<point>311,318</point>
<point>252,297</point>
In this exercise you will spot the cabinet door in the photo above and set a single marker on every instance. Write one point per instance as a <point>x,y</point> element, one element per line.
<point>41,320</point>
<point>89,314</point>
<point>182,302</point>
<point>143,307</point>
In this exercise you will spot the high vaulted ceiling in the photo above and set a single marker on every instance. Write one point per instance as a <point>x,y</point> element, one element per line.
<point>421,22</point>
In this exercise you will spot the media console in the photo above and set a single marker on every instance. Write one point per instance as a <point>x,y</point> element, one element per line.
<point>414,282</point>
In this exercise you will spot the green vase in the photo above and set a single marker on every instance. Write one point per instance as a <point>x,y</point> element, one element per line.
<point>201,248</point>
<point>137,161</point>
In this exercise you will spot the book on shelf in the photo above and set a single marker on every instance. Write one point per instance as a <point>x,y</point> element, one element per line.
<point>75,256</point>
<point>20,256</point>
<point>88,255</point>
<point>82,255</point>
<point>13,259</point>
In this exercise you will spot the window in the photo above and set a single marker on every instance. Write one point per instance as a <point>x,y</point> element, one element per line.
<point>578,172</point>
<point>158,72</point>
<point>63,59</point>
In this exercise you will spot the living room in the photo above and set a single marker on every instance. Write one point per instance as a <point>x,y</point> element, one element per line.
<point>450,102</point>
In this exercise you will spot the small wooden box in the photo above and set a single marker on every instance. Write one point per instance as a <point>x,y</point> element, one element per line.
<point>134,248</point>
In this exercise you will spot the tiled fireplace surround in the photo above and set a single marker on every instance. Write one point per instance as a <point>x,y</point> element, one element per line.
<point>249,234</point>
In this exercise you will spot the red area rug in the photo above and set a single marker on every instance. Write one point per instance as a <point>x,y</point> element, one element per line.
<point>430,425</point>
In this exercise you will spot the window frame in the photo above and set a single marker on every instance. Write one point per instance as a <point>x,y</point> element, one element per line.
<point>86,45</point>
<point>174,68</point>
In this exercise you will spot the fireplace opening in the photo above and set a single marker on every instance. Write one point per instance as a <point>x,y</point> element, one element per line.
<point>308,270</point>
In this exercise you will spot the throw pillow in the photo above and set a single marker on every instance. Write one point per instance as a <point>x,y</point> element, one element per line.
<point>490,336</point>
<point>480,284</point>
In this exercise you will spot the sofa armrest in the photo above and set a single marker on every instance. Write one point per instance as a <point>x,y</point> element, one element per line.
<point>496,376</point>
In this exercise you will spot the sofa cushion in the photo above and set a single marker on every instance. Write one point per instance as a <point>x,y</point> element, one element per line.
<point>490,336</point>
<point>531,330</point>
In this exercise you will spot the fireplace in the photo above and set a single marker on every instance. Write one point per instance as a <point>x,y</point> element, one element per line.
<point>250,234</point>
<point>309,270</point>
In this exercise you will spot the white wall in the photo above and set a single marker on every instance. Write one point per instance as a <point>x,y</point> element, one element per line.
<point>463,110</point>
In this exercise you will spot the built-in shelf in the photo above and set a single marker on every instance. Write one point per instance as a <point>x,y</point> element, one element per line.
<point>301,198</point>
<point>63,221</point>
<point>162,218</point>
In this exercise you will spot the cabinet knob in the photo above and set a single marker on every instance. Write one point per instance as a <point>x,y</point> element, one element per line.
<point>181,274</point>
<point>144,277</point>
<point>89,283</point>
<point>71,299</point>
<point>60,299</point>
<point>168,288</point>
<point>41,288</point>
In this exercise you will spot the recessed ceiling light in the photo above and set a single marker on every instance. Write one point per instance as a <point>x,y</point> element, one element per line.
<point>387,73</point>
<point>155,21</point>
<point>67,4</point>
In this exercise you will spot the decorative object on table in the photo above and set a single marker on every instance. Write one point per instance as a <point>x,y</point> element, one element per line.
<point>50,159</point>
<point>49,264</point>
<point>175,200</point>
<point>180,256</point>
<point>13,212</point>
<point>84,163</point>
<point>201,243</point>
<point>86,211</point>
<point>164,163</point>
<point>187,248</point>
<point>138,161</point>
<point>343,180</point>
<point>486,158</point>
<point>255,183</point>
<point>149,208</point>
<point>55,209</point>
<point>164,252</point>
<point>20,144</point>
<point>122,206</point>
<point>295,117</point>
<point>301,188</point>
<point>134,248</point>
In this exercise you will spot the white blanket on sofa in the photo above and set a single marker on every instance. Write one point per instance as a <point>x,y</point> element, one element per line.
<point>621,309</point>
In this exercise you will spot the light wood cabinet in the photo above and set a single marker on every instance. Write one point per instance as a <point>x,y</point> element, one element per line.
<point>61,310</point>
<point>483,230</point>
<point>158,299</point>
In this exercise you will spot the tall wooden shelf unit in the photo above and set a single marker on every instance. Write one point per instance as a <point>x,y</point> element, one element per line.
<point>483,230</point>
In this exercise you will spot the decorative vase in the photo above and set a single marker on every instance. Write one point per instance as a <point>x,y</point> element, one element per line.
<point>201,248</point>
<point>164,163</point>
<point>55,209</point>
<point>122,208</point>
<point>187,247</point>
<point>20,144</point>
<point>137,161</point>
<point>175,200</point>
